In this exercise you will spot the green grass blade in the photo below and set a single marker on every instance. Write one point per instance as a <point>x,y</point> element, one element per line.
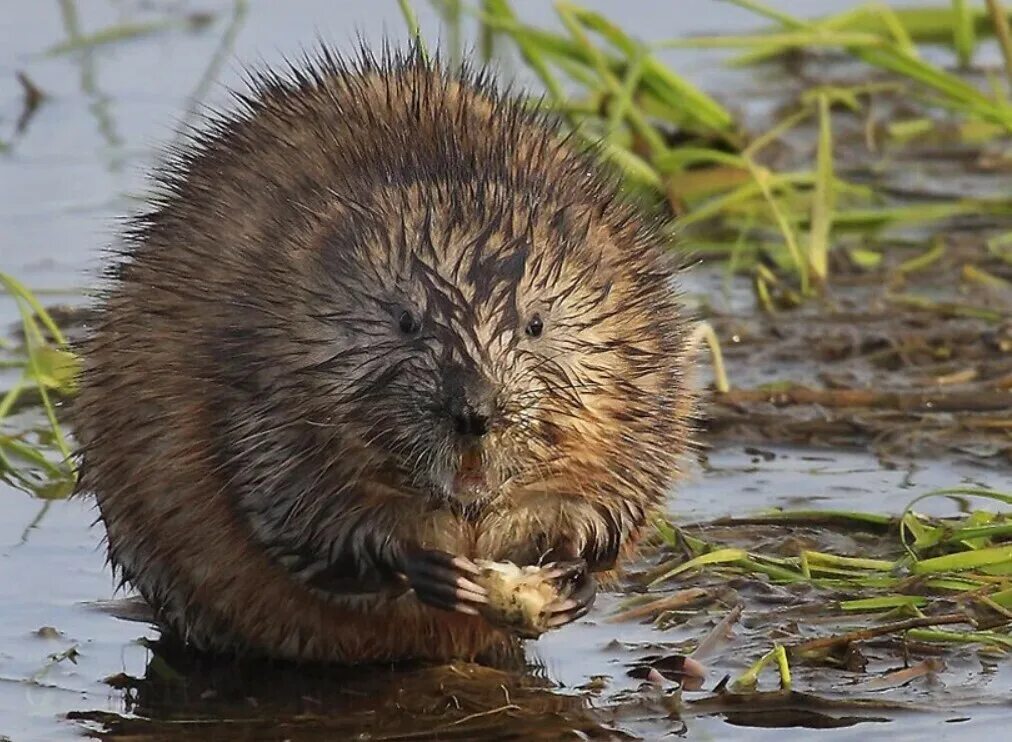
<point>720,556</point>
<point>963,33</point>
<point>823,198</point>
<point>883,603</point>
<point>964,560</point>
<point>411,19</point>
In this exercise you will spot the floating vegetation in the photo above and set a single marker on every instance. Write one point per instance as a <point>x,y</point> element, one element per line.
<point>913,357</point>
<point>933,572</point>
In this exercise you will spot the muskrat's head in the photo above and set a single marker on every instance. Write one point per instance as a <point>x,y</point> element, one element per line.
<point>477,344</point>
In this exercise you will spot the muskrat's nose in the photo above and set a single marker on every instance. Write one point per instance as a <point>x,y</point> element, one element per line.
<point>468,401</point>
<point>470,420</point>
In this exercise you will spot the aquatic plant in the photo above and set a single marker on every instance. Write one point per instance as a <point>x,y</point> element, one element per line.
<point>35,455</point>
<point>930,572</point>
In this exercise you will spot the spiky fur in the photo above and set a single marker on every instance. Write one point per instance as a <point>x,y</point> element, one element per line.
<point>262,441</point>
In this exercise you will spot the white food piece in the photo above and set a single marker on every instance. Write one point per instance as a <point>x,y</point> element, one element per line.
<point>517,596</point>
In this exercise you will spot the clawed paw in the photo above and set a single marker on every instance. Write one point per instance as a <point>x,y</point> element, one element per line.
<point>578,600</point>
<point>443,580</point>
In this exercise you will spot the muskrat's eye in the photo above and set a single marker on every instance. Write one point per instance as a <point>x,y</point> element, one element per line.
<point>536,326</point>
<point>408,324</point>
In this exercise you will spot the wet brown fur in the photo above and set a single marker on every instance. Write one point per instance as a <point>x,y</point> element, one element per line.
<point>263,445</point>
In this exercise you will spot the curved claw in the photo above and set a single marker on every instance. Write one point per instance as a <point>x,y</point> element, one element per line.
<point>575,605</point>
<point>443,580</point>
<point>572,569</point>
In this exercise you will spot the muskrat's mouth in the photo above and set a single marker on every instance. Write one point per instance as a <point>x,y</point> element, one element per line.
<point>470,476</point>
<point>470,481</point>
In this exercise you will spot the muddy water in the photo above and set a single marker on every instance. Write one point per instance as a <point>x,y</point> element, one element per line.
<point>72,664</point>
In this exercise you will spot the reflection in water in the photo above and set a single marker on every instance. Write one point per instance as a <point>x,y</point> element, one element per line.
<point>182,695</point>
<point>32,98</point>
<point>214,65</point>
<point>33,524</point>
<point>99,106</point>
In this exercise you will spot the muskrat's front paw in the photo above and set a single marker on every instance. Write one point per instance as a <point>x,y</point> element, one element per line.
<point>443,580</point>
<point>578,600</point>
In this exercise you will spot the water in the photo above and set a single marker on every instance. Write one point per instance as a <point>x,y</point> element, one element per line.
<point>64,181</point>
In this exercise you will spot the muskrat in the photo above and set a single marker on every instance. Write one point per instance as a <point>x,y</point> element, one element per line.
<point>378,322</point>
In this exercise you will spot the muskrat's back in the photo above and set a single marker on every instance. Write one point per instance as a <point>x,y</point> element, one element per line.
<point>377,322</point>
